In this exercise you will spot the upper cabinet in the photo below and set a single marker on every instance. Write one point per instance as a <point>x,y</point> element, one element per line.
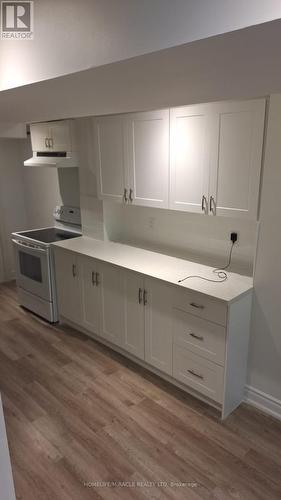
<point>56,136</point>
<point>148,158</point>
<point>191,129</point>
<point>110,157</point>
<point>132,158</point>
<point>202,158</point>
<point>237,157</point>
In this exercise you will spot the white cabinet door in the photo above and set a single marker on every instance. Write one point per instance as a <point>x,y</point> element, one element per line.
<point>148,147</point>
<point>68,281</point>
<point>112,303</point>
<point>158,325</point>
<point>191,129</point>
<point>39,132</point>
<point>110,157</point>
<point>235,174</point>
<point>91,294</point>
<point>60,135</point>
<point>133,340</point>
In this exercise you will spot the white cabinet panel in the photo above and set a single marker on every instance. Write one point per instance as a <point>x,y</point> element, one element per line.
<point>60,134</point>
<point>91,294</point>
<point>158,325</point>
<point>68,285</point>
<point>235,175</point>
<point>53,136</point>
<point>196,372</point>
<point>112,303</point>
<point>133,340</point>
<point>190,135</point>
<point>148,145</point>
<point>110,157</point>
<point>39,133</point>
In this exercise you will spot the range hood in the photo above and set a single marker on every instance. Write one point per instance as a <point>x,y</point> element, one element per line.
<point>53,159</point>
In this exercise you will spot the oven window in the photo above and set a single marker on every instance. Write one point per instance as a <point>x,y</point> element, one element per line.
<point>30,266</point>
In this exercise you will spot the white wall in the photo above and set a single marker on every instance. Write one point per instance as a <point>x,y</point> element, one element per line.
<point>265,348</point>
<point>12,200</point>
<point>238,65</point>
<point>184,235</point>
<point>71,35</point>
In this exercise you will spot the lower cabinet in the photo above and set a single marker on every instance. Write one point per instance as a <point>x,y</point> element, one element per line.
<point>68,280</point>
<point>158,325</point>
<point>133,337</point>
<point>199,341</point>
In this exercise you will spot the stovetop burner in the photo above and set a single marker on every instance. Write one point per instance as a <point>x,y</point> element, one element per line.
<point>49,234</point>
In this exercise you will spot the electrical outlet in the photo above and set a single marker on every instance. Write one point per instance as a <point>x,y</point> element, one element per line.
<point>151,222</point>
<point>234,237</point>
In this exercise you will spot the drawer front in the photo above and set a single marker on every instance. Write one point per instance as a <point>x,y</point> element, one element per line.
<point>201,305</point>
<point>198,373</point>
<point>199,336</point>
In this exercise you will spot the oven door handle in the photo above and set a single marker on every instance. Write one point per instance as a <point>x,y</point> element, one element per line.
<point>28,247</point>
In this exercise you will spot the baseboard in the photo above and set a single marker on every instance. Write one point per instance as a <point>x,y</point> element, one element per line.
<point>264,402</point>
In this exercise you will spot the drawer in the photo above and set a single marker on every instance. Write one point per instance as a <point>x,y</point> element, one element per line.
<point>199,336</point>
<point>201,305</point>
<point>198,373</point>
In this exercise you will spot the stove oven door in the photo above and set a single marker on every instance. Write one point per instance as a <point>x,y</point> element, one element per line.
<point>33,269</point>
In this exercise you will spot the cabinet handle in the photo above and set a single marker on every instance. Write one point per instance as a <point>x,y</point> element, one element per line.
<point>212,205</point>
<point>51,142</point>
<point>97,279</point>
<point>204,204</point>
<point>74,273</point>
<point>140,295</point>
<point>198,337</point>
<point>197,306</point>
<point>195,374</point>
<point>125,198</point>
<point>131,195</point>
<point>144,297</point>
<point>46,142</point>
<point>93,278</point>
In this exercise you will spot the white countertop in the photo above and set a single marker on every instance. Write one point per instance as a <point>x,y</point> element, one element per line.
<point>7,491</point>
<point>163,267</point>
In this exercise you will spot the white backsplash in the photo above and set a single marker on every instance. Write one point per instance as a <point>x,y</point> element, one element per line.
<point>184,235</point>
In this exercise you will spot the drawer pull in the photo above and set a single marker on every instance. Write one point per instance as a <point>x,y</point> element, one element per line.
<point>140,295</point>
<point>195,374</point>
<point>198,306</point>
<point>198,337</point>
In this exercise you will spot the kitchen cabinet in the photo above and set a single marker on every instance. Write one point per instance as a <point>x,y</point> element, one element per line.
<point>148,158</point>
<point>132,158</point>
<point>197,340</point>
<point>216,155</point>
<point>236,162</point>
<point>133,337</point>
<point>203,158</point>
<point>191,134</point>
<point>58,136</point>
<point>158,325</point>
<point>90,294</point>
<point>110,157</point>
<point>110,282</point>
<point>68,282</point>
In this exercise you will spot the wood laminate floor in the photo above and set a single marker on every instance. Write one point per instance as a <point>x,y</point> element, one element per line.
<point>85,423</point>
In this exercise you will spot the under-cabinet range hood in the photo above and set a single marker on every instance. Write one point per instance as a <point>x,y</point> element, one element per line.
<point>53,159</point>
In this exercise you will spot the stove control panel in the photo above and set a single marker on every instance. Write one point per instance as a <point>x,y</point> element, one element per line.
<point>68,215</point>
